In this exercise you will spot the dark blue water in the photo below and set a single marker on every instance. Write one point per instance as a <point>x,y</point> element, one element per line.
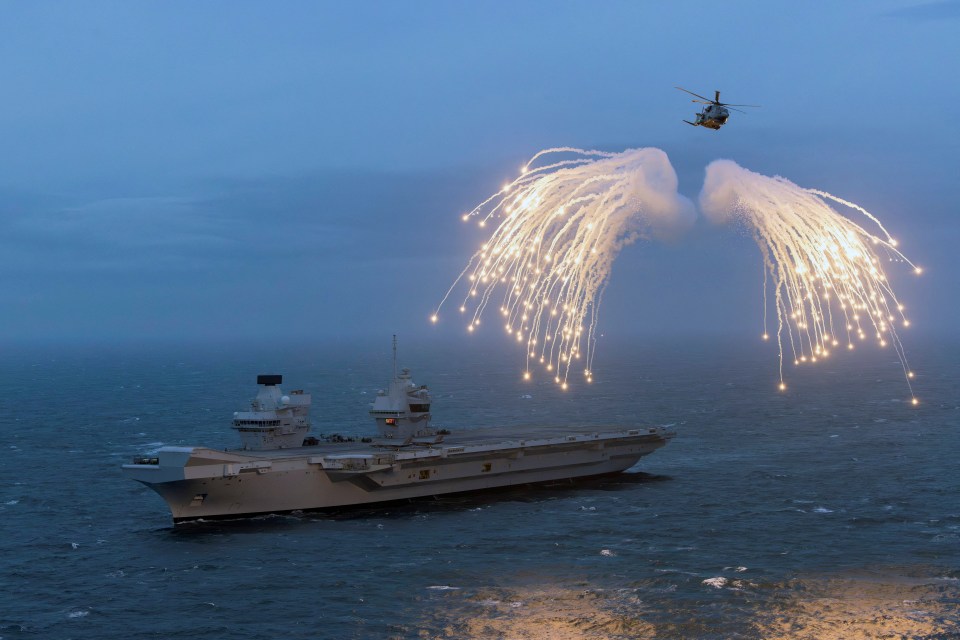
<point>832,510</point>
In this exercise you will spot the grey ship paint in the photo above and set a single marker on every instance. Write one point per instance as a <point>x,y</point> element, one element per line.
<point>279,468</point>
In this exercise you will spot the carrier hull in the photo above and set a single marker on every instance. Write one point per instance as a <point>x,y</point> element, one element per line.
<point>201,483</point>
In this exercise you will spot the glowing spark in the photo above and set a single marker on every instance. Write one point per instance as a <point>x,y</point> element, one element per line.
<point>809,248</point>
<point>558,228</point>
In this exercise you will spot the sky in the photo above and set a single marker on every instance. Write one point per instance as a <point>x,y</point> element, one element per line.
<point>230,171</point>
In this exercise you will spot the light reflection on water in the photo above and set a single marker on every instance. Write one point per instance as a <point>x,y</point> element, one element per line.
<point>850,606</point>
<point>884,604</point>
<point>532,613</point>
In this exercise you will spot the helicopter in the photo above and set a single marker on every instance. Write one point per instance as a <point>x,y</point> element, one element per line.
<point>715,114</point>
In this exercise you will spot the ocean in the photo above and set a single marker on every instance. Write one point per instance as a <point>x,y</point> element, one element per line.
<point>831,510</point>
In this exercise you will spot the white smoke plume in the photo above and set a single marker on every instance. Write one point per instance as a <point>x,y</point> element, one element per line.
<point>563,221</point>
<point>825,270</point>
<point>560,225</point>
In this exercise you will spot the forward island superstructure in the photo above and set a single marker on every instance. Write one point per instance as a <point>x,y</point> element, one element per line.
<point>280,468</point>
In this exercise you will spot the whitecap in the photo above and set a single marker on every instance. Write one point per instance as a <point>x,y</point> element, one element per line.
<point>443,587</point>
<point>679,571</point>
<point>12,502</point>
<point>607,552</point>
<point>822,510</point>
<point>78,614</point>
<point>75,545</point>
<point>719,582</point>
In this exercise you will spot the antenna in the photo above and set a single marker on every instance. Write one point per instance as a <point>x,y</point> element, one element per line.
<point>394,356</point>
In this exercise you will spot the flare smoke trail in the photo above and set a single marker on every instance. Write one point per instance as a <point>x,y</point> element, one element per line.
<point>561,223</point>
<point>829,287</point>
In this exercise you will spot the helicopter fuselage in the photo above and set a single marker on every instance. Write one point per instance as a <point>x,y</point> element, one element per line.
<point>712,117</point>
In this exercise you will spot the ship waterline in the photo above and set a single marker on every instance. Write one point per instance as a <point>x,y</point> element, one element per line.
<point>280,468</point>
<point>201,483</point>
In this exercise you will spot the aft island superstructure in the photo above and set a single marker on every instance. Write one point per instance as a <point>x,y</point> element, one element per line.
<point>280,468</point>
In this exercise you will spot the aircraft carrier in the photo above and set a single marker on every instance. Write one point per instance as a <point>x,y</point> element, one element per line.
<point>280,468</point>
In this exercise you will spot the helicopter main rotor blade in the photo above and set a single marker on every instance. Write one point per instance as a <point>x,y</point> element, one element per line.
<point>727,104</point>
<point>737,110</point>
<point>695,94</point>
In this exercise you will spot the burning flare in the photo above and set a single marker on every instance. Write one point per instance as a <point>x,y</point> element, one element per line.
<point>560,225</point>
<point>830,290</point>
